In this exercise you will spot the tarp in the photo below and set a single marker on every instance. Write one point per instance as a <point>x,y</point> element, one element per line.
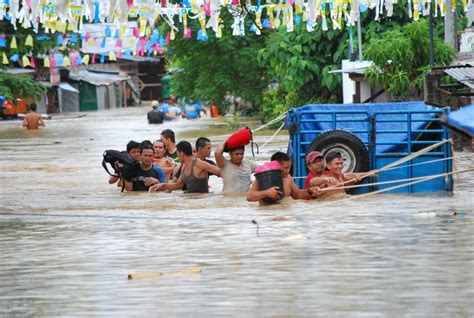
<point>396,121</point>
<point>463,119</point>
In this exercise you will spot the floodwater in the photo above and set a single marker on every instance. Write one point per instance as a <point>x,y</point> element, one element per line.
<point>68,240</point>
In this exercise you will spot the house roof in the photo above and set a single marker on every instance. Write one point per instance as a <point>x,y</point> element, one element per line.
<point>464,74</point>
<point>19,70</point>
<point>97,78</point>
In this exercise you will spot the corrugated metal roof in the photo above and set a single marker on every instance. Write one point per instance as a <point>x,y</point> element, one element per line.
<point>96,78</point>
<point>464,75</point>
<point>19,71</point>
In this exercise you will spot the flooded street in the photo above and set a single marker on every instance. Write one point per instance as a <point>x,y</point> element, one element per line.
<point>68,239</point>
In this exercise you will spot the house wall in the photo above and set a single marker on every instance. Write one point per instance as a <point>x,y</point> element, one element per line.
<point>69,101</point>
<point>102,97</point>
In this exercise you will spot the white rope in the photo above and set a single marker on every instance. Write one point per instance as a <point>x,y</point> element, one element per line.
<point>354,197</point>
<point>393,164</point>
<point>273,136</point>
<point>271,122</point>
<point>419,163</point>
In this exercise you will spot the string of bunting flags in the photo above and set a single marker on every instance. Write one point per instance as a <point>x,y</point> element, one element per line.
<point>127,26</point>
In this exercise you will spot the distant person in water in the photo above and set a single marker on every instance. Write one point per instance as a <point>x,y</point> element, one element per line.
<point>154,116</point>
<point>33,119</point>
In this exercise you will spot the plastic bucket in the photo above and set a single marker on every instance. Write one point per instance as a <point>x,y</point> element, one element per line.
<point>268,179</point>
<point>239,139</point>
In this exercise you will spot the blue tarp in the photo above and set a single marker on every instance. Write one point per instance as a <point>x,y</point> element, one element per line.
<point>463,119</point>
<point>398,120</point>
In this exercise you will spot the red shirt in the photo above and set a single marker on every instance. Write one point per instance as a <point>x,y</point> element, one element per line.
<point>310,176</point>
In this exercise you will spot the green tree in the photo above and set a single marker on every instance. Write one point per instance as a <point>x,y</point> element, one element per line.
<point>401,59</point>
<point>14,86</point>
<point>218,67</point>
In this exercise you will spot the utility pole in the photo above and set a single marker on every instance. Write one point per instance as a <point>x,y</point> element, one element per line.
<point>450,27</point>
<point>431,37</point>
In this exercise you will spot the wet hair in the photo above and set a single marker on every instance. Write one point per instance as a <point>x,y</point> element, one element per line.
<point>169,134</point>
<point>185,147</point>
<point>280,157</point>
<point>133,145</point>
<point>146,143</point>
<point>201,142</point>
<point>147,146</point>
<point>159,140</point>
<point>237,148</point>
<point>33,107</point>
<point>332,156</point>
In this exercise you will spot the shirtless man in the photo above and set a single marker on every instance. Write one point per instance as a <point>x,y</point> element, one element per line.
<point>289,185</point>
<point>165,163</point>
<point>335,165</point>
<point>194,173</point>
<point>33,120</point>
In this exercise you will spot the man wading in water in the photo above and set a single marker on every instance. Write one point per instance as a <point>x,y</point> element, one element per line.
<point>236,171</point>
<point>33,120</point>
<point>194,172</point>
<point>289,185</point>
<point>334,176</point>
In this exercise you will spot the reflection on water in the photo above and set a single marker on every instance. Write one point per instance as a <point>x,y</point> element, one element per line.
<point>68,240</point>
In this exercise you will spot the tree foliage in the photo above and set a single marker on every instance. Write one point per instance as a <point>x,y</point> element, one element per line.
<point>401,59</point>
<point>218,67</point>
<point>14,86</point>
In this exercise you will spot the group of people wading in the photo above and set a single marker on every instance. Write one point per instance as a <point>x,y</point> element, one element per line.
<point>168,166</point>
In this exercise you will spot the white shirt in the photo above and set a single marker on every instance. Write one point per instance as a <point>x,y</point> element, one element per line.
<point>237,178</point>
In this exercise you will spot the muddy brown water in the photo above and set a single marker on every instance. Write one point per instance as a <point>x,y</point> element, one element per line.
<point>68,240</point>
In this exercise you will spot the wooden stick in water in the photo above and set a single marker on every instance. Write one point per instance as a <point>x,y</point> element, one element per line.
<point>155,275</point>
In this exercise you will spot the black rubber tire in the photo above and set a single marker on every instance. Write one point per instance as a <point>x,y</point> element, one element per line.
<point>352,149</point>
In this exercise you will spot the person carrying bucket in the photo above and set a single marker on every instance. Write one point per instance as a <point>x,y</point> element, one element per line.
<point>275,183</point>
<point>235,172</point>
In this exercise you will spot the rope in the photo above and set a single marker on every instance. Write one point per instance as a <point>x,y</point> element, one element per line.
<point>354,197</point>
<point>271,122</point>
<point>383,182</point>
<point>392,164</point>
<point>419,163</point>
<point>273,136</point>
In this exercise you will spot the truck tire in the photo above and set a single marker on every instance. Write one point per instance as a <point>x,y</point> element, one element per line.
<point>352,149</point>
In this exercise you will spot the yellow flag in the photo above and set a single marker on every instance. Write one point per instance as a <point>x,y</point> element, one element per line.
<point>123,29</point>
<point>61,26</point>
<point>85,59</point>
<point>13,43</point>
<point>112,56</point>
<point>172,35</point>
<point>66,61</point>
<point>148,31</point>
<point>25,61</point>
<point>29,40</point>
<point>134,52</point>
<point>5,59</point>
<point>46,62</point>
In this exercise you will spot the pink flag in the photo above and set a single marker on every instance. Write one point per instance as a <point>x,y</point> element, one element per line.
<point>32,62</point>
